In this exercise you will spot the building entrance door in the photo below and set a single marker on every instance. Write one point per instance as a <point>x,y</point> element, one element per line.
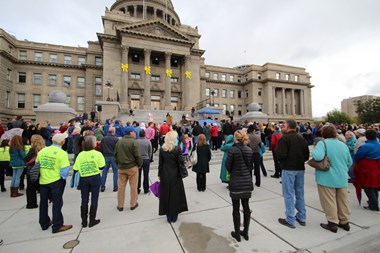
<point>155,105</point>
<point>174,106</point>
<point>135,104</point>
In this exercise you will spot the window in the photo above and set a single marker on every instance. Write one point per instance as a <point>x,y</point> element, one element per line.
<point>240,109</point>
<point>53,58</point>
<point>232,94</point>
<point>68,100</point>
<point>174,62</point>
<point>67,59</point>
<point>155,60</point>
<point>80,103</point>
<point>23,55</point>
<point>81,82</point>
<point>207,92</point>
<point>98,80</point>
<point>136,58</point>
<point>232,77</point>
<point>258,76</point>
<point>9,74</point>
<point>216,92</point>
<point>232,109</point>
<point>38,56</point>
<point>224,109</point>
<point>278,76</point>
<point>215,76</point>
<point>98,90</point>
<point>36,100</point>
<point>66,81</point>
<point>135,76</point>
<point>246,94</point>
<point>207,75</point>
<point>81,60</point>
<point>174,80</point>
<point>239,93</point>
<point>261,107</point>
<point>37,78</point>
<point>10,49</point>
<point>259,92</point>
<point>224,93</point>
<point>7,99</point>
<point>52,79</point>
<point>155,78</point>
<point>296,78</point>
<point>98,61</point>
<point>22,77</point>
<point>21,100</point>
<point>239,79</point>
<point>224,77</point>
<point>287,77</point>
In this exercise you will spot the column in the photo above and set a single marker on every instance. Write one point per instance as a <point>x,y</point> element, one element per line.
<point>168,88</point>
<point>283,101</point>
<point>302,102</point>
<point>293,103</point>
<point>155,13</point>
<point>135,11</point>
<point>186,85</point>
<point>124,78</point>
<point>145,12</point>
<point>274,100</point>
<point>147,103</point>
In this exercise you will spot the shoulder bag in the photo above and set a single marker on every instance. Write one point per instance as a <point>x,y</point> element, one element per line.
<point>194,157</point>
<point>323,165</point>
<point>34,173</point>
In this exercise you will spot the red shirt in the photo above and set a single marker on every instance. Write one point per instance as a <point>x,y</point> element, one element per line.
<point>274,140</point>
<point>214,131</point>
<point>164,129</point>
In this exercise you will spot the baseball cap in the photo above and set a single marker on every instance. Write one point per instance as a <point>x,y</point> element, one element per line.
<point>59,138</point>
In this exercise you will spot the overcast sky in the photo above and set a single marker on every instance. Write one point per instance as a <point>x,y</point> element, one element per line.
<point>337,41</point>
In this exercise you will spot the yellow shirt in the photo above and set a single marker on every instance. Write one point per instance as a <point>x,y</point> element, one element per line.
<point>4,154</point>
<point>89,162</point>
<point>52,159</point>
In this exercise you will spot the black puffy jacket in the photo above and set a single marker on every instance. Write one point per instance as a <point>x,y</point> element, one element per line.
<point>240,184</point>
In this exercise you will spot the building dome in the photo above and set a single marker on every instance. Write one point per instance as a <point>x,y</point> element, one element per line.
<point>154,9</point>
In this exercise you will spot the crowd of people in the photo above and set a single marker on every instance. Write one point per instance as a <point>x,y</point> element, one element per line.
<point>353,153</point>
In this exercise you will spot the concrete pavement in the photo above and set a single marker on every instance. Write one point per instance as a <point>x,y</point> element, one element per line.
<point>205,228</point>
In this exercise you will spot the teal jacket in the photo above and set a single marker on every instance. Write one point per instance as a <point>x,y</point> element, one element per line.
<point>340,161</point>
<point>225,148</point>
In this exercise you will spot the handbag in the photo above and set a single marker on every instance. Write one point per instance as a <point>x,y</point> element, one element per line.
<point>194,157</point>
<point>155,189</point>
<point>34,172</point>
<point>323,165</point>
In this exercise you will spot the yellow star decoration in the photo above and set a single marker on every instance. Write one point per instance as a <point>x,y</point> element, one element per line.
<point>188,74</point>
<point>124,67</point>
<point>169,72</point>
<point>147,70</point>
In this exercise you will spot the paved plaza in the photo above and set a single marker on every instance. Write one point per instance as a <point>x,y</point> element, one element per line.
<point>205,227</point>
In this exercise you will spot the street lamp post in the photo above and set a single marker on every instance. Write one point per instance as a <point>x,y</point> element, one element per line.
<point>212,97</point>
<point>109,86</point>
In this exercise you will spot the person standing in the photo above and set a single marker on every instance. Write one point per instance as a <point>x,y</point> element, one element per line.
<point>54,169</point>
<point>207,132</point>
<point>332,184</point>
<point>146,153</point>
<point>225,148</point>
<point>4,163</point>
<point>17,155</point>
<point>214,136</point>
<point>164,129</point>
<point>37,143</point>
<point>227,129</point>
<point>172,191</point>
<point>238,164</point>
<point>276,136</point>
<point>197,130</point>
<point>129,160</point>
<point>107,148</point>
<point>150,133</point>
<point>254,144</point>
<point>89,164</point>
<point>202,167</point>
<point>292,152</point>
<point>262,166</point>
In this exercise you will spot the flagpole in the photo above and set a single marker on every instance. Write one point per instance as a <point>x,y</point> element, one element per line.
<point>166,11</point>
<point>143,9</point>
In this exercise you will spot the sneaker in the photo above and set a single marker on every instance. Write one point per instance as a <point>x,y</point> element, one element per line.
<point>285,223</point>
<point>302,223</point>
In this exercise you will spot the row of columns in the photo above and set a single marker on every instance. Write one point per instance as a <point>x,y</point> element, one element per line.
<point>293,101</point>
<point>145,12</point>
<point>147,81</point>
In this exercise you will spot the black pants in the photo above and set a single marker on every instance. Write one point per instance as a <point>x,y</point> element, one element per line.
<point>89,185</point>
<point>236,213</point>
<point>22,178</point>
<point>256,168</point>
<point>201,181</point>
<point>262,166</point>
<point>31,193</point>
<point>277,167</point>
<point>4,166</point>
<point>373,198</point>
<point>214,141</point>
<point>144,170</point>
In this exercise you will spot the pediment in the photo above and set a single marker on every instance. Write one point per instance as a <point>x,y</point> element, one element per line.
<point>155,29</point>
<point>135,85</point>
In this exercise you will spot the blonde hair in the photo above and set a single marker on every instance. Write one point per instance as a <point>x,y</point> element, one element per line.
<point>241,136</point>
<point>42,124</point>
<point>88,133</point>
<point>37,142</point>
<point>170,140</point>
<point>201,140</point>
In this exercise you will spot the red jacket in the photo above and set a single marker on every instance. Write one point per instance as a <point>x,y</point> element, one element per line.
<point>214,131</point>
<point>164,129</point>
<point>274,140</point>
<point>367,174</point>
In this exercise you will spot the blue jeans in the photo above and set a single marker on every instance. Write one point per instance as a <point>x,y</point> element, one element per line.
<point>293,187</point>
<point>53,191</point>
<point>110,161</point>
<point>87,185</point>
<point>144,169</point>
<point>16,177</point>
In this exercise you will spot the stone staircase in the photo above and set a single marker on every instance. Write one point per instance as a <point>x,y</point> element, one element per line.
<point>157,116</point>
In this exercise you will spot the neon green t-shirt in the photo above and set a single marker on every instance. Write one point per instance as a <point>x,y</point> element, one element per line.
<point>27,148</point>
<point>4,154</point>
<point>52,159</point>
<point>89,162</point>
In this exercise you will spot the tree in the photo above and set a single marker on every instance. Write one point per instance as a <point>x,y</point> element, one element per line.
<point>337,117</point>
<point>369,111</point>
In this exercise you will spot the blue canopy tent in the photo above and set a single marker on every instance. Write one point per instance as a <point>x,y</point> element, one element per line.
<point>208,111</point>
<point>208,122</point>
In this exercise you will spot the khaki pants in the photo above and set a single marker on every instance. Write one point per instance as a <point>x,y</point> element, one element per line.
<point>335,204</point>
<point>132,175</point>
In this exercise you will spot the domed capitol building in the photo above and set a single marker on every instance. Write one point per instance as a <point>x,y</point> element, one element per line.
<point>147,60</point>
